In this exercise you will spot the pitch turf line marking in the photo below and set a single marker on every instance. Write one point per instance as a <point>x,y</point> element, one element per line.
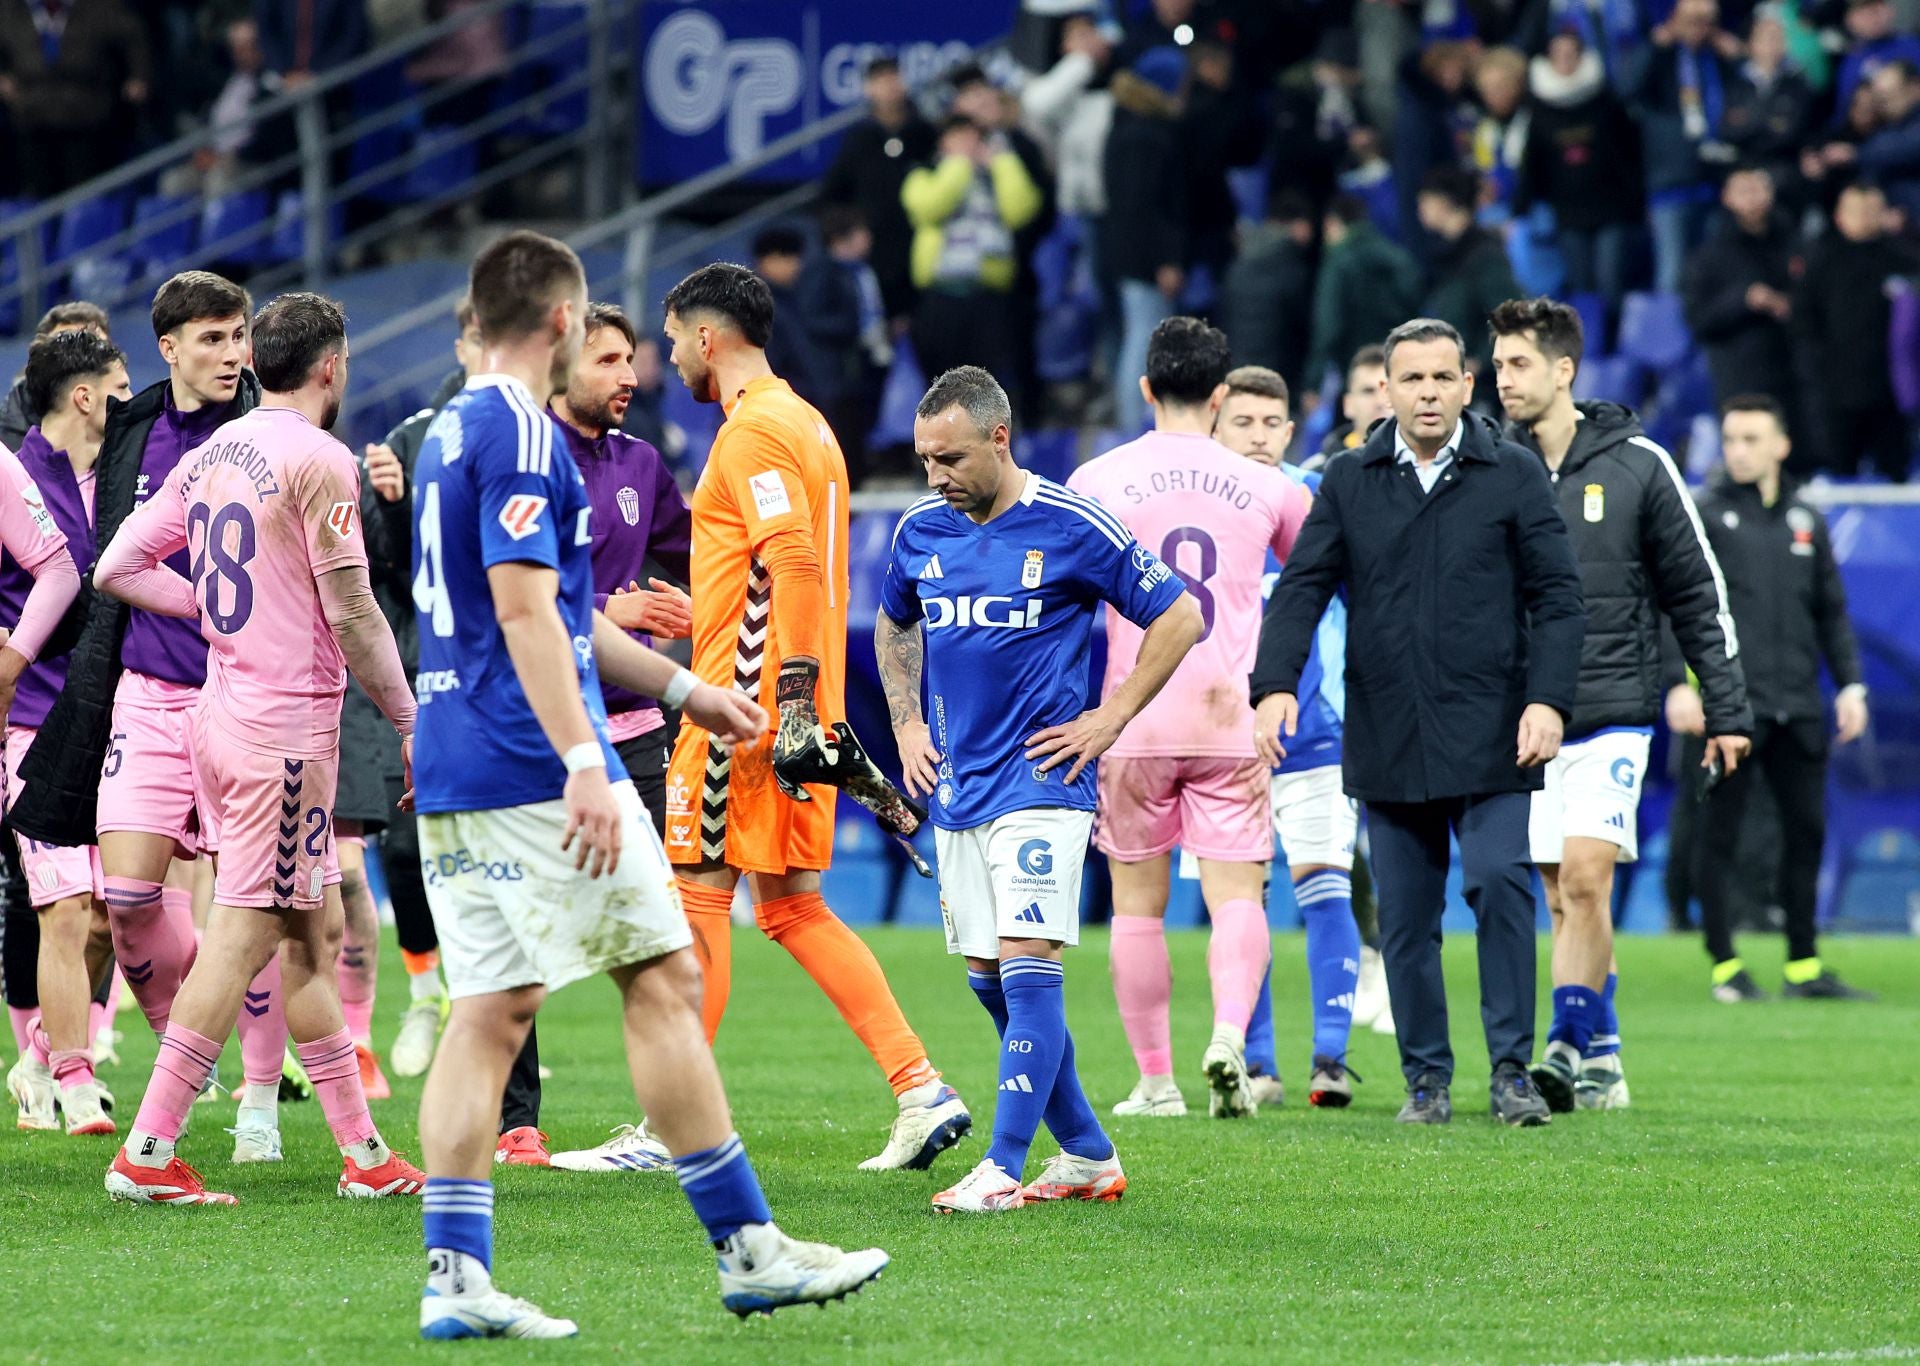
<point>1780,1359</point>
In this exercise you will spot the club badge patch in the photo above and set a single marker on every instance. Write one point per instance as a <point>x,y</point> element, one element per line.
<point>1595,506</point>
<point>1031,571</point>
<point>629,500</point>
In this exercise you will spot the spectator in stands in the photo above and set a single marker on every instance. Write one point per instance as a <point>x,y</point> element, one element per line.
<point>1871,44</point>
<point>1471,273</point>
<point>966,208</point>
<point>1892,155</point>
<point>844,317</point>
<point>1582,160</point>
<point>1738,292</point>
<point>1266,297</point>
<point>1144,245</point>
<point>78,316</point>
<point>1430,117</point>
<point>1069,111</point>
<point>235,137</point>
<point>1770,109</point>
<point>68,71</point>
<point>1615,31</point>
<point>779,254</point>
<point>1827,169</point>
<point>1367,287</point>
<point>1790,609</point>
<point>475,52</point>
<point>1679,87</point>
<point>1363,403</point>
<point>874,158</point>
<point>1500,135</point>
<point>1314,112</point>
<point>1841,313</point>
<point>1220,130</point>
<point>305,38</point>
<point>1368,177</point>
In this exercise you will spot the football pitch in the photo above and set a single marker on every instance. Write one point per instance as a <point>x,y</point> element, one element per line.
<point>1757,1203</point>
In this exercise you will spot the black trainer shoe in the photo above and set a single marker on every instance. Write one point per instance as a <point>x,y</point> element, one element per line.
<point>1514,1099</point>
<point>1737,988</point>
<point>1556,1075</point>
<point>1331,1087</point>
<point>1427,1101</point>
<point>1825,987</point>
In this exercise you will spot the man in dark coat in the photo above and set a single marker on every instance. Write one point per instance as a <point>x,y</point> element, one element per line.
<point>1738,292</point>
<point>874,158</point>
<point>1463,653</point>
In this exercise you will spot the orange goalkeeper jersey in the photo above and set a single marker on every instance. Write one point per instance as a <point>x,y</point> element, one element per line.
<point>769,582</point>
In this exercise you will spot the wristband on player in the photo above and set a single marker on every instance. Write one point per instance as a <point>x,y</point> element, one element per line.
<point>584,756</point>
<point>799,678</point>
<point>679,688</point>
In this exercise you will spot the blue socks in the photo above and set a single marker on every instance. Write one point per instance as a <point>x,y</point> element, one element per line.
<point>1035,1040</point>
<point>1606,1037</point>
<point>1333,957</point>
<point>1576,1017</point>
<point>722,1189</point>
<point>1260,1054</point>
<point>1068,1116</point>
<point>458,1222</point>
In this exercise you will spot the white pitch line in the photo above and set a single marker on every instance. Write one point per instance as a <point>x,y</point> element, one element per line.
<point>1780,1358</point>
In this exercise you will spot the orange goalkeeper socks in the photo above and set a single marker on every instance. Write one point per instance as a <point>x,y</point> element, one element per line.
<point>709,915</point>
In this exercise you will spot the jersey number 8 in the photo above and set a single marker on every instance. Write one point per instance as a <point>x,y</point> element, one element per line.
<point>213,561</point>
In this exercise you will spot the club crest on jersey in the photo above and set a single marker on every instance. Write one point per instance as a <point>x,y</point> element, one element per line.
<point>340,518</point>
<point>1800,523</point>
<point>1595,506</point>
<point>1030,572</point>
<point>629,500</point>
<point>520,517</point>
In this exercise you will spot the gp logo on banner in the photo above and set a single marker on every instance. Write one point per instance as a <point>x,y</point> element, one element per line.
<point>720,79</point>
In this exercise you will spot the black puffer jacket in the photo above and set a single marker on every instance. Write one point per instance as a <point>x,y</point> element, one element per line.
<point>62,770</point>
<point>1643,554</point>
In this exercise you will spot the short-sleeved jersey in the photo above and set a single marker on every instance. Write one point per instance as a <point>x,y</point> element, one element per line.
<point>494,484</point>
<point>1318,734</point>
<point>775,467</point>
<point>267,504</point>
<point>1008,610</point>
<point>1212,517</point>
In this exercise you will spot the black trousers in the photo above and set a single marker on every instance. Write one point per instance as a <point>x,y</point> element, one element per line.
<point>1791,759</point>
<point>976,328</point>
<point>1410,860</point>
<point>1877,433</point>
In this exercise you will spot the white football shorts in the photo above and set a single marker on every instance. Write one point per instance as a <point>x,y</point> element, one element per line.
<point>1016,877</point>
<point>512,911</point>
<point>1316,820</point>
<point>1592,790</point>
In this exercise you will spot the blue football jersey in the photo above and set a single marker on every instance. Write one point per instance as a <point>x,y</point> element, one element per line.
<point>1008,611</point>
<point>494,484</point>
<point>1323,684</point>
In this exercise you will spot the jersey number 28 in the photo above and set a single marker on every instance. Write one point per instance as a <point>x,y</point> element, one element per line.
<point>214,562</point>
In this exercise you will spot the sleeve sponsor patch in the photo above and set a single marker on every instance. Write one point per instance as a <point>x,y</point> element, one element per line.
<point>340,518</point>
<point>520,516</point>
<point>37,509</point>
<point>769,493</point>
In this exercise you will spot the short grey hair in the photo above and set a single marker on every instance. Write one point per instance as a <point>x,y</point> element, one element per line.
<point>972,389</point>
<point>1424,330</point>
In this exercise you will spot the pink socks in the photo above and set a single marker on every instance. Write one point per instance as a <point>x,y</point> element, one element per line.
<point>335,1073</point>
<point>356,971</point>
<point>262,1027</point>
<point>71,1067</point>
<point>153,941</point>
<point>185,1062</point>
<point>1143,987</point>
<point>1237,958</point>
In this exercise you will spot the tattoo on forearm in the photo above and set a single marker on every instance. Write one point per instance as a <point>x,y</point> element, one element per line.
<point>899,650</point>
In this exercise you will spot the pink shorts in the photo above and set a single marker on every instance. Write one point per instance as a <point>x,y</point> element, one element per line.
<point>146,783</point>
<point>267,820</point>
<point>1213,808</point>
<point>54,871</point>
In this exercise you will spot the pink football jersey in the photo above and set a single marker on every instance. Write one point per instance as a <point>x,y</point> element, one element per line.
<point>1212,516</point>
<point>27,530</point>
<point>265,506</point>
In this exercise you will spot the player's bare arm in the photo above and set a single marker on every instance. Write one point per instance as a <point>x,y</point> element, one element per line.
<point>901,650</point>
<point>526,607</point>
<point>1092,733</point>
<point>624,661</point>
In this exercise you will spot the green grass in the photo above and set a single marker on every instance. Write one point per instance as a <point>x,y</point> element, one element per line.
<point>1758,1199</point>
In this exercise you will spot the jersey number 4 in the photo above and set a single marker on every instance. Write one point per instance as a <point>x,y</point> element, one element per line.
<point>430,582</point>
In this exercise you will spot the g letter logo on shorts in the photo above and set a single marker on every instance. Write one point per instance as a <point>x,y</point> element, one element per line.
<point>1036,857</point>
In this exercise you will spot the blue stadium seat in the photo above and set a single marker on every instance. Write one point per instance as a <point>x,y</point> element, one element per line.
<point>1653,330</point>
<point>1592,309</point>
<point>84,226</point>
<point>898,398</point>
<point>289,239</point>
<point>1051,453</point>
<point>229,228</point>
<point>1248,185</point>
<point>1685,392</point>
<point>166,231</point>
<point>1881,886</point>
<point>546,18</point>
<point>1618,379</point>
<point>10,265</point>
<point>445,172</point>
